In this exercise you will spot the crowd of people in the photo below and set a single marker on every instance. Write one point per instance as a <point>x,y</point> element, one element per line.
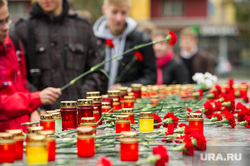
<point>54,45</point>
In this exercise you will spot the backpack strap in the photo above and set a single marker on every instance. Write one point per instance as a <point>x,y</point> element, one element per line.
<point>31,55</point>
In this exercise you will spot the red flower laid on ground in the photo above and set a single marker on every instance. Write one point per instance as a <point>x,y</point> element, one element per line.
<point>217,106</point>
<point>188,147</point>
<point>218,88</point>
<point>104,161</point>
<point>198,94</point>
<point>139,56</point>
<point>173,117</point>
<point>170,129</point>
<point>109,43</point>
<point>198,111</point>
<point>230,118</point>
<point>248,121</point>
<point>218,116</point>
<point>179,137</point>
<point>157,119</point>
<point>209,109</point>
<point>163,155</point>
<point>189,110</point>
<point>173,39</point>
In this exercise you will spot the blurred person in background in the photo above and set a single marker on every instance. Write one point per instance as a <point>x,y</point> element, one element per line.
<point>169,69</point>
<point>17,104</point>
<point>59,46</point>
<point>194,59</point>
<point>116,25</point>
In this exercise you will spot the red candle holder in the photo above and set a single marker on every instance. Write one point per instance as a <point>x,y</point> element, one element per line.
<point>114,94</point>
<point>50,144</point>
<point>85,108</point>
<point>106,99</point>
<point>47,122</point>
<point>122,123</point>
<point>196,122</point>
<point>97,102</point>
<point>106,107</point>
<point>116,104</point>
<point>123,92</point>
<point>18,137</point>
<point>129,147</point>
<point>69,115</point>
<point>136,88</point>
<point>130,113</point>
<point>96,115</point>
<point>89,122</point>
<point>154,100</point>
<point>128,102</point>
<point>7,148</point>
<point>85,142</point>
<point>92,94</point>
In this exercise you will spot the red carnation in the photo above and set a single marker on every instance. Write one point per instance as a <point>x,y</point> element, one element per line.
<point>170,129</point>
<point>189,147</point>
<point>109,43</point>
<point>200,140</point>
<point>189,110</point>
<point>217,106</point>
<point>139,56</point>
<point>218,88</point>
<point>173,39</point>
<point>230,118</point>
<point>173,117</point>
<point>104,161</point>
<point>219,117</point>
<point>180,137</point>
<point>163,155</point>
<point>209,109</point>
<point>157,119</point>
<point>247,118</point>
<point>187,130</point>
<point>198,111</point>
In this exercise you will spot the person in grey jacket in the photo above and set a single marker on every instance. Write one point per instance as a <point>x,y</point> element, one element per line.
<point>65,47</point>
<point>121,29</point>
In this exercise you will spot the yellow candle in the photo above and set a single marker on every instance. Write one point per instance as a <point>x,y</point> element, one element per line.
<point>146,122</point>
<point>36,150</point>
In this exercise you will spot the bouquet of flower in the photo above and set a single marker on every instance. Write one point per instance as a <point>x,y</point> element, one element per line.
<point>204,81</point>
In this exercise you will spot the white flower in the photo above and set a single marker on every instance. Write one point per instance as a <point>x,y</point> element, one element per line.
<point>207,79</point>
<point>209,83</point>
<point>198,77</point>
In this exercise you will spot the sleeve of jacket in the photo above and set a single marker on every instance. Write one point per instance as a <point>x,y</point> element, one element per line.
<point>93,81</point>
<point>149,64</point>
<point>19,103</point>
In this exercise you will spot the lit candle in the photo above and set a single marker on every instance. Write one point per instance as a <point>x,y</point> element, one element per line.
<point>96,114</point>
<point>105,98</point>
<point>196,122</point>
<point>128,102</point>
<point>123,92</point>
<point>50,144</point>
<point>136,88</point>
<point>37,153</point>
<point>85,142</point>
<point>97,102</point>
<point>47,122</point>
<point>32,131</point>
<point>129,146</point>
<point>146,122</point>
<point>7,148</point>
<point>69,115</point>
<point>154,100</point>
<point>92,94</point>
<point>58,121</point>
<point>122,123</point>
<point>85,108</point>
<point>144,92</point>
<point>106,107</point>
<point>116,104</point>
<point>130,112</point>
<point>88,121</point>
<point>18,137</point>
<point>114,94</point>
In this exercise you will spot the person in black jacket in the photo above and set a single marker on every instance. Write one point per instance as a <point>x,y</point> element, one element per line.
<point>169,69</point>
<point>117,26</point>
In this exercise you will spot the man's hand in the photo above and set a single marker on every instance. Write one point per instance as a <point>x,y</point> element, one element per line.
<point>35,117</point>
<point>115,87</point>
<point>50,95</point>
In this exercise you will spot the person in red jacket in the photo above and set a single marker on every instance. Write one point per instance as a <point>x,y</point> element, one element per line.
<point>17,103</point>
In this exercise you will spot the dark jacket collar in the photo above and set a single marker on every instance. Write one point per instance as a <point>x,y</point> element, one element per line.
<point>37,12</point>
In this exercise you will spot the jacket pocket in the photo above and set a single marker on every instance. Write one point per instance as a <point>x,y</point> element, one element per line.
<point>42,56</point>
<point>74,57</point>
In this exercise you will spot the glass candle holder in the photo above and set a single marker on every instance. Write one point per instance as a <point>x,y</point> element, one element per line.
<point>129,147</point>
<point>47,122</point>
<point>146,122</point>
<point>123,92</point>
<point>196,122</point>
<point>106,107</point>
<point>32,131</point>
<point>37,153</point>
<point>105,98</point>
<point>69,115</point>
<point>85,142</point>
<point>154,100</point>
<point>92,94</point>
<point>97,102</point>
<point>85,108</point>
<point>128,102</point>
<point>122,123</point>
<point>130,113</point>
<point>116,104</point>
<point>114,94</point>
<point>89,122</point>
<point>7,148</point>
<point>96,114</point>
<point>58,121</point>
<point>18,137</point>
<point>136,88</point>
<point>50,144</point>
